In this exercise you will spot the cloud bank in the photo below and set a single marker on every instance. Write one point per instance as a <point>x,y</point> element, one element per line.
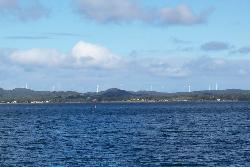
<point>89,63</point>
<point>87,56</point>
<point>119,11</point>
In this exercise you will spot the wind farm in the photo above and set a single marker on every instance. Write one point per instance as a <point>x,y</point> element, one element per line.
<point>124,83</point>
<point>23,95</point>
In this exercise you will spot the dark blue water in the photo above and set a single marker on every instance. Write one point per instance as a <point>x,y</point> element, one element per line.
<point>174,134</point>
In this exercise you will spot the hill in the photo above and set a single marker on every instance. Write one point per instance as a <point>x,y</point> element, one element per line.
<point>21,95</point>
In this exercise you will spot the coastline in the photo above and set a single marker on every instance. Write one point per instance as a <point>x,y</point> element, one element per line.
<point>125,102</point>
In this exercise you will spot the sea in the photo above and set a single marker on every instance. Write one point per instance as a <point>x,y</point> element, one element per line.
<point>125,134</point>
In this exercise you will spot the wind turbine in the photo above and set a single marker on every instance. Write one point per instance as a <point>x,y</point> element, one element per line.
<point>26,86</point>
<point>189,88</point>
<point>97,88</point>
<point>53,88</point>
<point>121,86</point>
<point>216,86</point>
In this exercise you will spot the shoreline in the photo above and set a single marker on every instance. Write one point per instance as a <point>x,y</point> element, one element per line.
<point>124,102</point>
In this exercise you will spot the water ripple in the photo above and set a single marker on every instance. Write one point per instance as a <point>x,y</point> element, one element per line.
<point>172,134</point>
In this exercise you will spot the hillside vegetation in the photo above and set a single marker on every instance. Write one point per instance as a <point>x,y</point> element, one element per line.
<point>21,95</point>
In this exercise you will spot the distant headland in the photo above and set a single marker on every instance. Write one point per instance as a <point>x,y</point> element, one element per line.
<point>22,95</point>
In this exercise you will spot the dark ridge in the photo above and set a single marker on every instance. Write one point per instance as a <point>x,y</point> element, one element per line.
<point>115,92</point>
<point>22,95</point>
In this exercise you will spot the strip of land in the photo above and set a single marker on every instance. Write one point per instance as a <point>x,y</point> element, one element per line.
<point>21,95</point>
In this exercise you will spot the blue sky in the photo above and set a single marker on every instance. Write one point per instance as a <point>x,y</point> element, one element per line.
<point>129,44</point>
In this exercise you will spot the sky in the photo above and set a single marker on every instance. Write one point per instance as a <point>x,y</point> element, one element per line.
<point>163,45</point>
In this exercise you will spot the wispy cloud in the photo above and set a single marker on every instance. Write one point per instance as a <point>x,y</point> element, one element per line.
<point>241,51</point>
<point>166,69</point>
<point>186,49</point>
<point>222,67</point>
<point>64,34</point>
<point>26,37</point>
<point>181,15</point>
<point>215,46</point>
<point>244,50</point>
<point>109,11</point>
<point>16,9</point>
<point>179,41</point>
<point>42,36</point>
<point>119,11</point>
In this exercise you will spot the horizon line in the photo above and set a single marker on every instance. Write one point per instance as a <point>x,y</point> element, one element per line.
<point>204,90</point>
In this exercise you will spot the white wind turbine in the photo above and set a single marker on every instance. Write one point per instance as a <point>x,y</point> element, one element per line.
<point>189,88</point>
<point>97,88</point>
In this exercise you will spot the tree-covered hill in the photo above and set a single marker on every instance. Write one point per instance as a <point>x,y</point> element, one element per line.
<point>21,95</point>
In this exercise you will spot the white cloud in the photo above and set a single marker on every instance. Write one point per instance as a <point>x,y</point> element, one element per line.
<point>196,67</point>
<point>90,55</point>
<point>126,11</point>
<point>164,68</point>
<point>112,10</point>
<point>96,61</point>
<point>87,56</point>
<point>83,55</point>
<point>41,57</point>
<point>89,64</point>
<point>168,71</point>
<point>223,67</point>
<point>15,8</point>
<point>181,14</point>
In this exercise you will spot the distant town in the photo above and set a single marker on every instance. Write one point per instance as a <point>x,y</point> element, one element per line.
<point>23,95</point>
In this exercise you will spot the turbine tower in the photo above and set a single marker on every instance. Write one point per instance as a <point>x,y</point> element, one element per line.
<point>53,88</point>
<point>121,86</point>
<point>216,86</point>
<point>189,88</point>
<point>26,86</point>
<point>97,88</point>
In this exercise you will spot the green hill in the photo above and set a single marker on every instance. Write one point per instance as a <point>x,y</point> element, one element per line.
<point>21,95</point>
